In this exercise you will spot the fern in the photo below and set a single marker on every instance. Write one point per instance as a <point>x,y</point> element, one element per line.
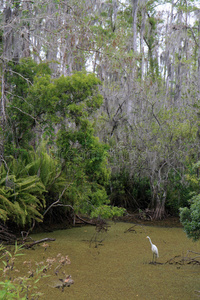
<point>3,215</point>
<point>6,206</point>
<point>31,184</point>
<point>4,200</point>
<point>19,214</point>
<point>22,199</point>
<point>24,183</point>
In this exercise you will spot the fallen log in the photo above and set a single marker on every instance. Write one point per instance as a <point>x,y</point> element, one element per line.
<point>86,221</point>
<point>28,246</point>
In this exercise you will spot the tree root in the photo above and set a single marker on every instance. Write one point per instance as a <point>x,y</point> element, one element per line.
<point>6,236</point>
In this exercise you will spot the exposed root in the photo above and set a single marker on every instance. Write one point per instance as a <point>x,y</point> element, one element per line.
<point>6,236</point>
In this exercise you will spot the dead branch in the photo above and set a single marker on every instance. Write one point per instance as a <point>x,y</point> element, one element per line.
<point>28,246</point>
<point>85,221</point>
<point>101,227</point>
<point>25,234</point>
<point>130,229</point>
<point>181,260</point>
<point>57,201</point>
<point>172,260</point>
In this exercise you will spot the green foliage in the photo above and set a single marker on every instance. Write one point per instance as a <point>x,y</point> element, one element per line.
<point>21,75</point>
<point>57,95</point>
<point>21,197</point>
<point>84,155</point>
<point>190,215</point>
<point>107,212</point>
<point>70,102</point>
<point>45,165</point>
<point>9,288</point>
<point>190,218</point>
<point>22,282</point>
<point>22,115</point>
<point>85,167</point>
<point>25,285</point>
<point>80,160</point>
<point>159,152</point>
<point>178,193</point>
<point>129,192</point>
<point>82,149</point>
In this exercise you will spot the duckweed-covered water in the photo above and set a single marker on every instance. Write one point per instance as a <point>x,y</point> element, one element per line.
<point>119,268</point>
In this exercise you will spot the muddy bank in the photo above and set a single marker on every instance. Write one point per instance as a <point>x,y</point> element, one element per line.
<point>169,221</point>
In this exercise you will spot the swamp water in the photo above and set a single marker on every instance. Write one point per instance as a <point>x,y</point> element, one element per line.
<point>119,268</point>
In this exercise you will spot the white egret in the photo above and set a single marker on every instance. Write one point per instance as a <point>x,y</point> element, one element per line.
<point>154,249</point>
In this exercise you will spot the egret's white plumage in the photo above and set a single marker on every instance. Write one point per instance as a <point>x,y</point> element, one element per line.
<point>154,249</point>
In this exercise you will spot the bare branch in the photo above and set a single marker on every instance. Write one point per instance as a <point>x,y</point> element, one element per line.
<point>25,113</point>
<point>57,201</point>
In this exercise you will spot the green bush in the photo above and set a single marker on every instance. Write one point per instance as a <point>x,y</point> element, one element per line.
<point>190,218</point>
<point>190,215</point>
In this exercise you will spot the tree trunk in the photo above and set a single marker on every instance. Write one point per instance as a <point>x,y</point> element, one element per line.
<point>134,14</point>
<point>7,43</point>
<point>142,29</point>
<point>2,113</point>
<point>198,83</point>
<point>199,56</point>
<point>159,211</point>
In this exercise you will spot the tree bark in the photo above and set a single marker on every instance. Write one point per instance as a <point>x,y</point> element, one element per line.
<point>142,29</point>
